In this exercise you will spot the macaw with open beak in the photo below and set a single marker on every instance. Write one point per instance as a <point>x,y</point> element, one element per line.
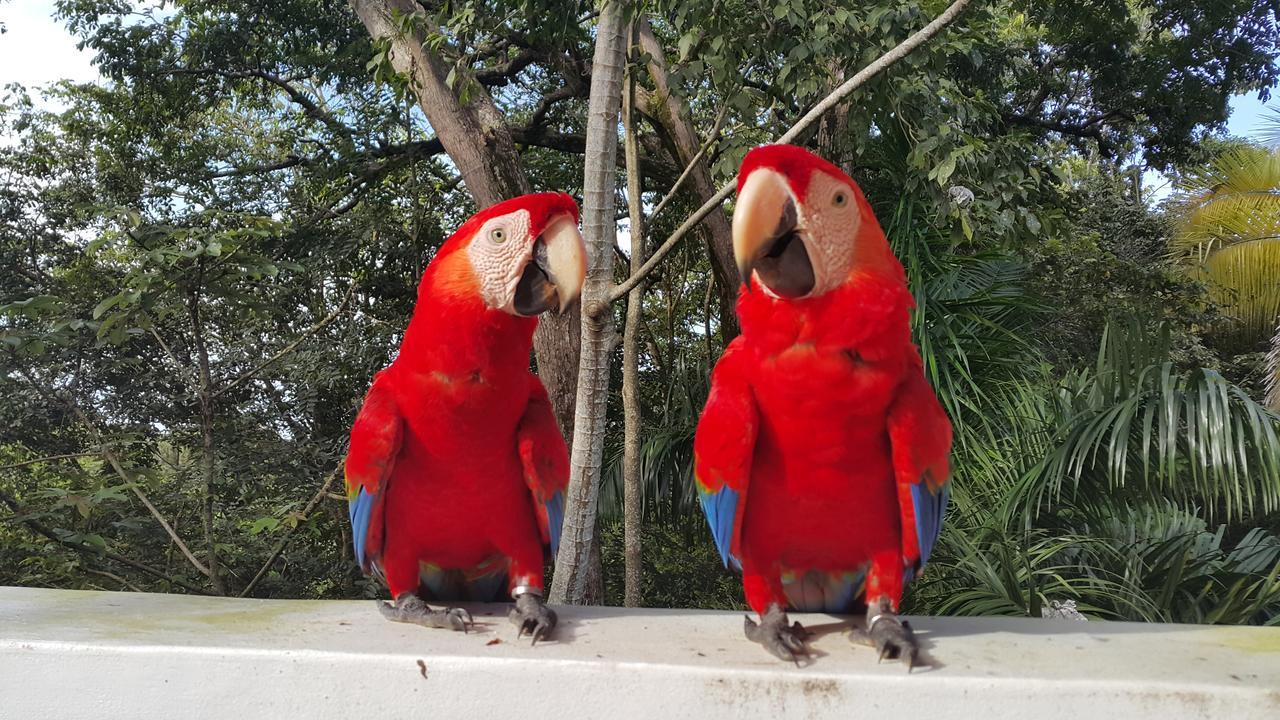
<point>821,457</point>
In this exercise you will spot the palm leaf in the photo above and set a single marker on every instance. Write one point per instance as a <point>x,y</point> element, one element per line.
<point>1139,425</point>
<point>1273,372</point>
<point>1228,234</point>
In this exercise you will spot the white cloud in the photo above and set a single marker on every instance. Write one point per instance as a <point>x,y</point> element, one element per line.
<point>36,49</point>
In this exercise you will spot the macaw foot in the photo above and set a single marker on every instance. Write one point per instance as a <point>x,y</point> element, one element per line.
<point>784,641</point>
<point>532,616</point>
<point>890,635</point>
<point>409,608</point>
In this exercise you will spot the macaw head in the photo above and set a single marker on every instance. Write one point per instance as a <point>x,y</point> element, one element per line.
<point>523,256</point>
<point>801,226</point>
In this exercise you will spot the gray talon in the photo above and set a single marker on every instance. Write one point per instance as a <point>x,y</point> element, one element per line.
<point>892,638</point>
<point>783,641</point>
<point>532,616</point>
<point>409,608</point>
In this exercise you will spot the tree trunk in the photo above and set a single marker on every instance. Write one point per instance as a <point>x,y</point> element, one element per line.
<point>207,461</point>
<point>672,113</point>
<point>834,127</point>
<point>479,143</point>
<point>631,417</point>
<point>598,225</point>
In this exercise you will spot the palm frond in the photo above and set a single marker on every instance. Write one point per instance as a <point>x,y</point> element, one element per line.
<point>1137,424</point>
<point>1228,234</point>
<point>1273,372</point>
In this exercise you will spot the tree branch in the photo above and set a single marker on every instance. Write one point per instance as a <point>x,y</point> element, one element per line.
<point>502,74</point>
<point>115,577</point>
<point>291,346</point>
<point>881,64</point>
<point>549,100</point>
<point>40,529</point>
<point>119,470</point>
<point>321,494</point>
<point>298,97</point>
<point>1088,130</point>
<point>51,458</point>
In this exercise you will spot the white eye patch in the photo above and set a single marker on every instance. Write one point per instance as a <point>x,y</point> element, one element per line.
<point>498,253</point>
<point>830,219</point>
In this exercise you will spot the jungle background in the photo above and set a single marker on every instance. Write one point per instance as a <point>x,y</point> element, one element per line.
<point>208,253</point>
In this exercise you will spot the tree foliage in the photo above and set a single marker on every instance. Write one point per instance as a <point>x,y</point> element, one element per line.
<point>212,250</point>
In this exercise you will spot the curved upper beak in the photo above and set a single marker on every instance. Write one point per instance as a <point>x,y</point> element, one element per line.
<point>566,259</point>
<point>556,269</point>
<point>765,235</point>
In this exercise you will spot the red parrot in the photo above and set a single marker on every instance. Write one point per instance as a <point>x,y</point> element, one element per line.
<point>456,469</point>
<point>821,457</point>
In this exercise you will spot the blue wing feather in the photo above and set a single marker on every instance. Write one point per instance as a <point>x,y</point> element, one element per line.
<point>555,520</point>
<point>721,509</point>
<point>930,507</point>
<point>361,510</point>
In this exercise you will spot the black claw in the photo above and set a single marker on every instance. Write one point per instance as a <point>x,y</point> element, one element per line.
<point>783,641</point>
<point>893,639</point>
<point>409,608</point>
<point>530,615</point>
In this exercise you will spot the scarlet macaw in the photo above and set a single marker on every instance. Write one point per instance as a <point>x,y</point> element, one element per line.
<point>456,469</point>
<point>821,457</point>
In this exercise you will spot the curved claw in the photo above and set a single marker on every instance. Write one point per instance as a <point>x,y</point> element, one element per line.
<point>409,608</point>
<point>530,615</point>
<point>894,639</point>
<point>459,618</point>
<point>783,641</point>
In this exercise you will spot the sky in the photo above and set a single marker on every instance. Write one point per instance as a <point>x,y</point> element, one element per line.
<point>37,50</point>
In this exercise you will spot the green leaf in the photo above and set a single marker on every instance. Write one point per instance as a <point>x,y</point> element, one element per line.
<point>106,305</point>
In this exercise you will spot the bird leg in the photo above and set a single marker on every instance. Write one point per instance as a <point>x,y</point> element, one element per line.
<point>889,634</point>
<point>532,615</point>
<point>784,641</point>
<point>409,608</point>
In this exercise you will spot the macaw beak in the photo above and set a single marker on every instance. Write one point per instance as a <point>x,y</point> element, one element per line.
<point>556,269</point>
<point>767,238</point>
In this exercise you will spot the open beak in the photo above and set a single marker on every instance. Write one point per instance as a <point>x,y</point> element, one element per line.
<point>767,238</point>
<point>555,272</point>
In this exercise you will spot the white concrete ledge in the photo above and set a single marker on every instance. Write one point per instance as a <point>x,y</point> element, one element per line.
<point>71,655</point>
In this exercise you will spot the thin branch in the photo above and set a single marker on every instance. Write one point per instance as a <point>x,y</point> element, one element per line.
<point>118,468</point>
<point>40,529</point>
<point>178,365</point>
<point>549,100</point>
<point>1087,130</point>
<point>288,162</point>
<point>291,346</point>
<point>115,577</point>
<point>504,73</point>
<point>881,64</point>
<point>711,138</point>
<point>51,458</point>
<point>297,96</point>
<point>186,551</point>
<point>321,494</point>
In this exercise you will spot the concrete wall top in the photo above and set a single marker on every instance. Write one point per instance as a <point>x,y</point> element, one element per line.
<point>70,655</point>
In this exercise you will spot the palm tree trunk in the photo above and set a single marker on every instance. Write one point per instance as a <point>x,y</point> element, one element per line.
<point>573,561</point>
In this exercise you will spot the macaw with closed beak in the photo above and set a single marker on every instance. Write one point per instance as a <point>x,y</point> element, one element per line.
<point>456,470</point>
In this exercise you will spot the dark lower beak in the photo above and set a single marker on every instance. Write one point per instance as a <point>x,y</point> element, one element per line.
<point>766,237</point>
<point>536,293</point>
<point>555,272</point>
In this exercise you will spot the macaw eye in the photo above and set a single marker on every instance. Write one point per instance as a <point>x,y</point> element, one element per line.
<point>840,199</point>
<point>498,235</point>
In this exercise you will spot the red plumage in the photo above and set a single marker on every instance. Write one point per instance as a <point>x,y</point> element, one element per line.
<point>456,453</point>
<point>821,421</point>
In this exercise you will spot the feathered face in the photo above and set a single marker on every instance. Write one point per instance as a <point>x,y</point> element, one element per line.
<point>526,253</point>
<point>796,223</point>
